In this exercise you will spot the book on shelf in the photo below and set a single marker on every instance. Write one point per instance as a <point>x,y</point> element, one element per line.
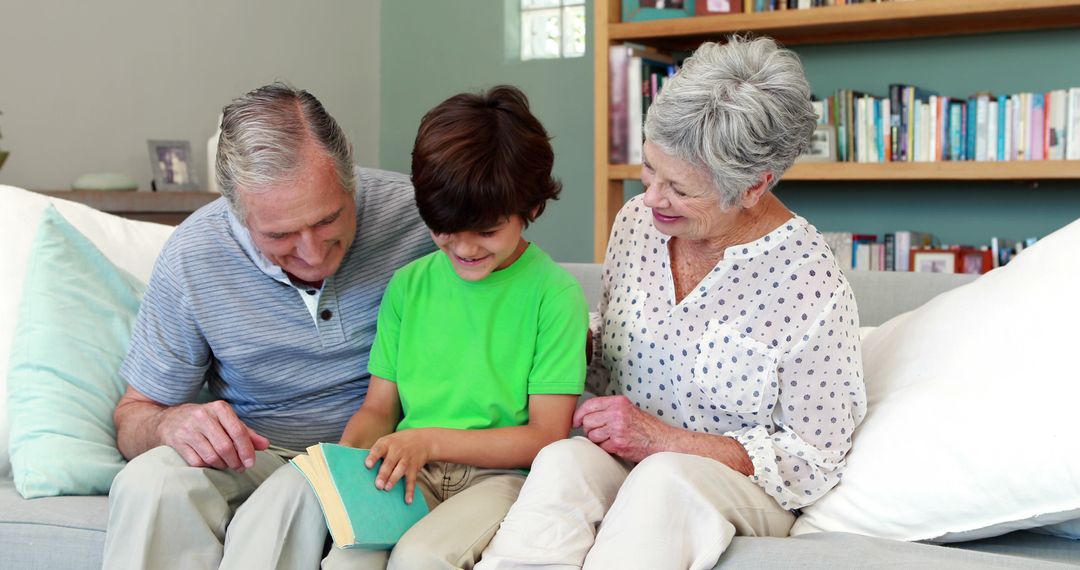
<point>358,514</point>
<point>913,124</point>
<point>1072,124</point>
<point>635,77</point>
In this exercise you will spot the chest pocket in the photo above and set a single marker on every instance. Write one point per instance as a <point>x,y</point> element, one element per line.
<point>732,373</point>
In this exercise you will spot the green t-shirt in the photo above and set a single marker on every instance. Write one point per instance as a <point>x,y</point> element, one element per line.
<point>467,355</point>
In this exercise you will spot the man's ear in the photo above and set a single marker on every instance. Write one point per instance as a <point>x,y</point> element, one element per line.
<point>751,195</point>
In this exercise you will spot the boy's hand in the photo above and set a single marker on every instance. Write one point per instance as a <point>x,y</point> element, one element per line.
<point>404,453</point>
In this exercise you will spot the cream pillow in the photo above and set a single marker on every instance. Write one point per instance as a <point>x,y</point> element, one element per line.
<point>130,245</point>
<point>970,430</point>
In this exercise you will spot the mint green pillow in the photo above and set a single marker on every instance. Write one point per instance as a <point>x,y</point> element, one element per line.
<point>74,326</point>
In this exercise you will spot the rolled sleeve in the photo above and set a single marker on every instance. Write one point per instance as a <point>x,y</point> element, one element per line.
<point>821,401</point>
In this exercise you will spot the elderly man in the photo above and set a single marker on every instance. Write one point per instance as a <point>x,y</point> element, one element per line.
<point>269,298</point>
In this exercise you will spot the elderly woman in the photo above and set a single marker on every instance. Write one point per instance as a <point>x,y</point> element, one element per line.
<point>728,342</point>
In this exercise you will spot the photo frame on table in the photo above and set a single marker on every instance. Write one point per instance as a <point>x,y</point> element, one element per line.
<point>822,145</point>
<point>172,166</point>
<point>935,261</point>
<point>644,10</point>
<point>711,7</point>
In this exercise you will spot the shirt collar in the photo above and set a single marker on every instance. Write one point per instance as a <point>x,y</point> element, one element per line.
<point>243,237</point>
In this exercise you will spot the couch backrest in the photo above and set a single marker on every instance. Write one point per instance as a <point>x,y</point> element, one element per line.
<point>881,295</point>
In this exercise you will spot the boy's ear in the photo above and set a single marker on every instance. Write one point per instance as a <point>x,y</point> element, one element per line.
<point>534,212</point>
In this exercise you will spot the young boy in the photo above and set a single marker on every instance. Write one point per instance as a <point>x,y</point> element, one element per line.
<point>480,351</point>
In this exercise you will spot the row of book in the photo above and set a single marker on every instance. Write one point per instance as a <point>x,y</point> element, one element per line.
<point>919,251</point>
<point>917,125</point>
<point>636,75</point>
<point>778,5</point>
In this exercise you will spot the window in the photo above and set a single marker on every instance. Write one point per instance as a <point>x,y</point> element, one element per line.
<point>552,28</point>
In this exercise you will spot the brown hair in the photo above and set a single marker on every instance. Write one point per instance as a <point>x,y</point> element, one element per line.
<point>479,158</point>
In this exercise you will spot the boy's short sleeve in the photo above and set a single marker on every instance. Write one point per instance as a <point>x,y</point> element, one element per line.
<point>559,360</point>
<point>384,352</point>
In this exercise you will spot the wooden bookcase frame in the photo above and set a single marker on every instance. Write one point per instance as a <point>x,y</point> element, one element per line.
<point>832,24</point>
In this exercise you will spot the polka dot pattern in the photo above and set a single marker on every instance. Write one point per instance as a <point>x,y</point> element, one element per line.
<point>765,349</point>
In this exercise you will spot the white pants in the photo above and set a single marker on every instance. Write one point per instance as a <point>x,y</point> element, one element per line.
<point>583,508</point>
<point>164,513</point>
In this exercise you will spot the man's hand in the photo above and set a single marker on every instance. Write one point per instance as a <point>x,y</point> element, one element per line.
<point>404,454</point>
<point>621,428</point>
<point>210,435</point>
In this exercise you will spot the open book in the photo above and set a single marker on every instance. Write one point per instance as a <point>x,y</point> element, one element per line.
<point>357,513</point>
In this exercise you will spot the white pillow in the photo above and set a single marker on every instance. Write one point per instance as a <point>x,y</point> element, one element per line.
<point>130,245</point>
<point>970,430</point>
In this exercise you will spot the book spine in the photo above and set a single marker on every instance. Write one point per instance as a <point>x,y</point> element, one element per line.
<point>972,128</point>
<point>980,127</point>
<point>618,120</point>
<point>894,120</point>
<point>1007,148</point>
<point>634,105</point>
<point>1072,125</point>
<point>991,129</point>
<point>909,135</point>
<point>1038,117</point>
<point>890,252</point>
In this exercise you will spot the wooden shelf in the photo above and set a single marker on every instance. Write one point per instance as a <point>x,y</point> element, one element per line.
<point>860,22</point>
<point>905,171</point>
<point>897,19</point>
<point>161,207</point>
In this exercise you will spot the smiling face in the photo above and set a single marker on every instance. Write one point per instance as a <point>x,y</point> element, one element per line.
<point>305,226</point>
<point>476,254</point>
<point>684,200</point>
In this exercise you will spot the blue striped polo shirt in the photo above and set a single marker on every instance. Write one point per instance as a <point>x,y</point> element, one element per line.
<point>211,315</point>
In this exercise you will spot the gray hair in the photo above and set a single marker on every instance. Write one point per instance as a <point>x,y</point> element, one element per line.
<point>736,110</point>
<point>262,135</point>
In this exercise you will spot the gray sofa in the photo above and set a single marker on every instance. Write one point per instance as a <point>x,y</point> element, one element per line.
<point>68,532</point>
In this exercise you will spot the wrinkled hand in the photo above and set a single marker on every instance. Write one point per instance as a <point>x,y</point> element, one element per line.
<point>621,428</point>
<point>404,454</point>
<point>210,435</point>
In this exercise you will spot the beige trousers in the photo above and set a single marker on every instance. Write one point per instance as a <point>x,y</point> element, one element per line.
<point>583,508</point>
<point>467,504</point>
<point>164,513</point>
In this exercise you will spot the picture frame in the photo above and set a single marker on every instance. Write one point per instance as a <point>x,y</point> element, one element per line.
<point>822,146</point>
<point>711,7</point>
<point>171,163</point>
<point>935,260</point>
<point>645,10</point>
<point>975,260</point>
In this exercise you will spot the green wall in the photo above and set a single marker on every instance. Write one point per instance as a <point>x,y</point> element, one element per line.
<point>432,50</point>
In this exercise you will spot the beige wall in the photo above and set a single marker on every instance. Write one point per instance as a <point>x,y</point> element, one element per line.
<point>84,84</point>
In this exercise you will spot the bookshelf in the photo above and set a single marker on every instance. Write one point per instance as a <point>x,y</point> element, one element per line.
<point>835,24</point>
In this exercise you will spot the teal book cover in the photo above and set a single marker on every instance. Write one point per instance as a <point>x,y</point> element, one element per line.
<point>357,513</point>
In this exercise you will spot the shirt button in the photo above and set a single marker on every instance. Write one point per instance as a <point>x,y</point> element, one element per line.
<point>311,291</point>
<point>326,314</point>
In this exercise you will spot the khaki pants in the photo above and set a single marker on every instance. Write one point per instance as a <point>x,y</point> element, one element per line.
<point>164,513</point>
<point>583,508</point>
<point>467,504</point>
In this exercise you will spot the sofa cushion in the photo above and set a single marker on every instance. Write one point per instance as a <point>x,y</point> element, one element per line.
<point>131,245</point>
<point>972,397</point>
<point>73,332</point>
<point>53,532</point>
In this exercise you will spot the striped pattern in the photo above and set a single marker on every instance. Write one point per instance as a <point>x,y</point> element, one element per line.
<point>211,316</point>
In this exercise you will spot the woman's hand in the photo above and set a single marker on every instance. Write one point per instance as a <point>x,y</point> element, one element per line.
<point>621,428</point>
<point>404,454</point>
